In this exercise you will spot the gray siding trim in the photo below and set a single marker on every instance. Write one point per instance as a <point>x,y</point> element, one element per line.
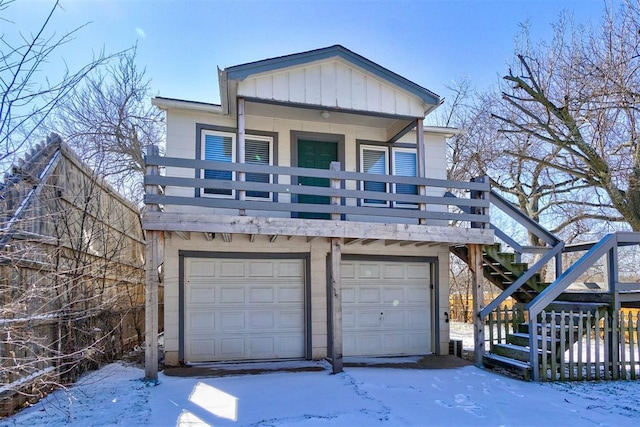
<point>241,72</point>
<point>305,256</point>
<point>435,281</point>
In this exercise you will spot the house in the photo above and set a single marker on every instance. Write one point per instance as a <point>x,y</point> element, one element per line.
<point>71,273</point>
<point>305,216</point>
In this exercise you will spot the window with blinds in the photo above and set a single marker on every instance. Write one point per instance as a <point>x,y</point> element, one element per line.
<point>405,163</point>
<point>258,152</point>
<point>374,161</point>
<point>221,148</point>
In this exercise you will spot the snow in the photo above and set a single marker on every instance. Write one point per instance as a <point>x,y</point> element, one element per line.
<point>363,396</point>
<point>371,396</point>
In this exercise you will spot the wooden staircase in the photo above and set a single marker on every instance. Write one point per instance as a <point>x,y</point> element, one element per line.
<point>514,356</point>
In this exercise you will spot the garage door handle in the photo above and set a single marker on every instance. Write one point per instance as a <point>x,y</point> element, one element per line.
<point>381,316</point>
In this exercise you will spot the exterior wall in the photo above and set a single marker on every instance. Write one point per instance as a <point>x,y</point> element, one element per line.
<point>181,142</point>
<point>333,84</point>
<point>318,250</point>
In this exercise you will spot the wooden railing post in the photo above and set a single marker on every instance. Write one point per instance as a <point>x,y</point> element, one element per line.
<point>152,262</point>
<point>242,194</point>
<point>422,169</point>
<point>335,185</point>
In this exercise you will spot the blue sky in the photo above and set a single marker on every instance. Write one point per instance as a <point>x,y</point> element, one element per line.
<point>180,43</point>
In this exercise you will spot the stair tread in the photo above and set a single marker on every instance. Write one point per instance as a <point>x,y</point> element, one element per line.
<point>506,361</point>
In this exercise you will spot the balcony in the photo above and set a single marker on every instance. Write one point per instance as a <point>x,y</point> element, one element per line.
<point>260,199</point>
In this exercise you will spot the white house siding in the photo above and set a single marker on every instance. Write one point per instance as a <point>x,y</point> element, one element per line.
<point>332,84</point>
<point>317,250</point>
<point>181,130</point>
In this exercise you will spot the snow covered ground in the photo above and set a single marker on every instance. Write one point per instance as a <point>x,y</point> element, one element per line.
<point>368,396</point>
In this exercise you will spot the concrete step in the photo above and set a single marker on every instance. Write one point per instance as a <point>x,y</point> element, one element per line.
<point>517,367</point>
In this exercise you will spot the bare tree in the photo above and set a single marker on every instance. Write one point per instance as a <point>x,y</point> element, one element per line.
<point>27,101</point>
<point>109,119</point>
<point>575,99</point>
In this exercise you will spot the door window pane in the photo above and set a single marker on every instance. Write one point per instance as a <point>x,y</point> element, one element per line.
<point>405,164</point>
<point>258,152</point>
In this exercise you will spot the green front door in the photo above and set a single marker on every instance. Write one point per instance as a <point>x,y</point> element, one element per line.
<point>316,155</point>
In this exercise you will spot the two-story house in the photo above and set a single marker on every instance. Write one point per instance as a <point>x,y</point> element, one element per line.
<point>305,216</point>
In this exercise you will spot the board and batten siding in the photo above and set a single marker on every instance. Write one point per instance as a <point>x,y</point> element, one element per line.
<point>332,84</point>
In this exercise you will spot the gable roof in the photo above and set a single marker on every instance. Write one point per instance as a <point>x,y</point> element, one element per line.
<point>240,72</point>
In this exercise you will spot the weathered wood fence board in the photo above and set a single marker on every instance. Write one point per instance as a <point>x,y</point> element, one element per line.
<point>577,346</point>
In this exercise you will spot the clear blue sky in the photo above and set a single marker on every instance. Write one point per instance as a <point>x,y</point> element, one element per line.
<point>180,43</point>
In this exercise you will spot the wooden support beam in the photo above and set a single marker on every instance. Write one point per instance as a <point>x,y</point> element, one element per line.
<point>407,243</point>
<point>226,237</point>
<point>391,242</point>
<point>475,264</point>
<point>290,237</point>
<point>430,244</point>
<point>348,242</point>
<point>368,242</point>
<point>273,238</point>
<point>252,238</point>
<point>209,236</point>
<point>153,258</point>
<point>184,235</point>
<point>336,305</point>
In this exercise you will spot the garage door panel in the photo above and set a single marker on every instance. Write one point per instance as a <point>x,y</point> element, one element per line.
<point>261,269</point>
<point>368,271</point>
<point>232,347</point>
<point>200,347</point>
<point>261,295</point>
<point>417,318</point>
<point>394,319</point>
<point>240,309</point>
<point>369,295</point>
<point>230,268</point>
<point>261,320</point>
<point>366,319</point>
<point>393,295</point>
<point>201,294</point>
<point>231,295</point>
<point>417,271</point>
<point>201,321</point>
<point>293,294</point>
<point>393,271</point>
<point>293,269</point>
<point>394,343</point>
<point>348,295</point>
<point>418,294</point>
<point>348,270</point>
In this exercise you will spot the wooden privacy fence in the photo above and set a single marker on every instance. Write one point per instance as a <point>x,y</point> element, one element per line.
<point>577,346</point>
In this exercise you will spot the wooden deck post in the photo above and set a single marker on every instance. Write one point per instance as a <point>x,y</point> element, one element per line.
<point>154,241</point>
<point>336,304</point>
<point>475,258</point>
<point>335,185</point>
<point>242,194</point>
<point>422,168</point>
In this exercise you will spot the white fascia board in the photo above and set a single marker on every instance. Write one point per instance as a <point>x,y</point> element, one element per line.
<point>172,104</point>
<point>442,130</point>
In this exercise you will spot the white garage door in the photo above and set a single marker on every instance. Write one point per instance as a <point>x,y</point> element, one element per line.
<point>385,308</point>
<point>243,309</point>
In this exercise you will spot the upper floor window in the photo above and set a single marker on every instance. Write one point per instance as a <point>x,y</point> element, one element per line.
<point>378,160</point>
<point>221,147</point>
<point>374,161</point>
